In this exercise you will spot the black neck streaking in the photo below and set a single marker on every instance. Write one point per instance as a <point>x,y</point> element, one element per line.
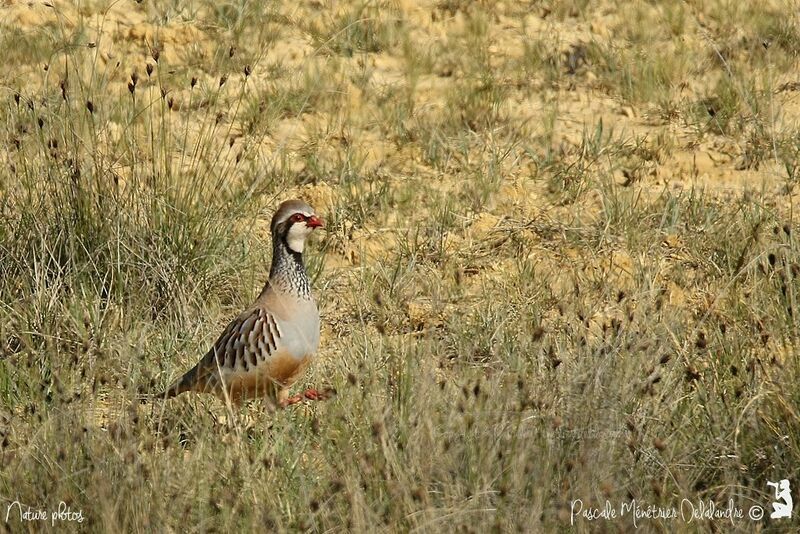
<point>288,273</point>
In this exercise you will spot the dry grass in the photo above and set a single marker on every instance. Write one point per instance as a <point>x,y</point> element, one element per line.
<point>561,260</point>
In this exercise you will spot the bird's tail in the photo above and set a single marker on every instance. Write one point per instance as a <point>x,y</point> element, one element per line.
<point>185,383</point>
<point>168,393</point>
<point>201,377</point>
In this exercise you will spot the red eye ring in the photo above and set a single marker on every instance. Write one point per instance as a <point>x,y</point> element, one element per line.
<point>298,217</point>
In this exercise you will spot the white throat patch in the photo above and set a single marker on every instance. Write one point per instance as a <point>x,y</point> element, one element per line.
<point>296,236</point>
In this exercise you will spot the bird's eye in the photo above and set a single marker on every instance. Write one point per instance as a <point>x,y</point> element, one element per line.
<point>298,217</point>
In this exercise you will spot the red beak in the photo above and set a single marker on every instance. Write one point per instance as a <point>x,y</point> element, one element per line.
<point>314,222</point>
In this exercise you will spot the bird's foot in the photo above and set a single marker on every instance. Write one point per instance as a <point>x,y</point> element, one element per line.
<point>310,394</point>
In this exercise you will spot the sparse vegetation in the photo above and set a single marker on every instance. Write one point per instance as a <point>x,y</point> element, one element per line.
<point>561,260</point>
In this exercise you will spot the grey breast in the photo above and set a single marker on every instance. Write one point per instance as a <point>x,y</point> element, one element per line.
<point>300,336</point>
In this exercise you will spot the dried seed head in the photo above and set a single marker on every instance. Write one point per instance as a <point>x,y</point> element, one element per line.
<point>701,342</point>
<point>170,102</point>
<point>63,86</point>
<point>193,82</point>
<point>155,53</point>
<point>16,98</point>
<point>163,93</point>
<point>247,70</point>
<point>691,374</point>
<point>537,333</point>
<point>223,79</point>
<point>135,77</point>
<point>630,424</point>
<point>131,87</point>
<point>377,428</point>
<point>232,51</point>
<point>149,69</point>
<point>91,44</point>
<point>90,106</point>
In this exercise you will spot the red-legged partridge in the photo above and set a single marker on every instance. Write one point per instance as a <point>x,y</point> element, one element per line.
<point>265,349</point>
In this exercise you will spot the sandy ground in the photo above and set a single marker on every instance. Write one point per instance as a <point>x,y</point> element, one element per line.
<point>122,35</point>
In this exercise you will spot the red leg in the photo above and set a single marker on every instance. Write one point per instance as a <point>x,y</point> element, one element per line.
<point>314,394</point>
<point>294,399</point>
<point>310,394</point>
